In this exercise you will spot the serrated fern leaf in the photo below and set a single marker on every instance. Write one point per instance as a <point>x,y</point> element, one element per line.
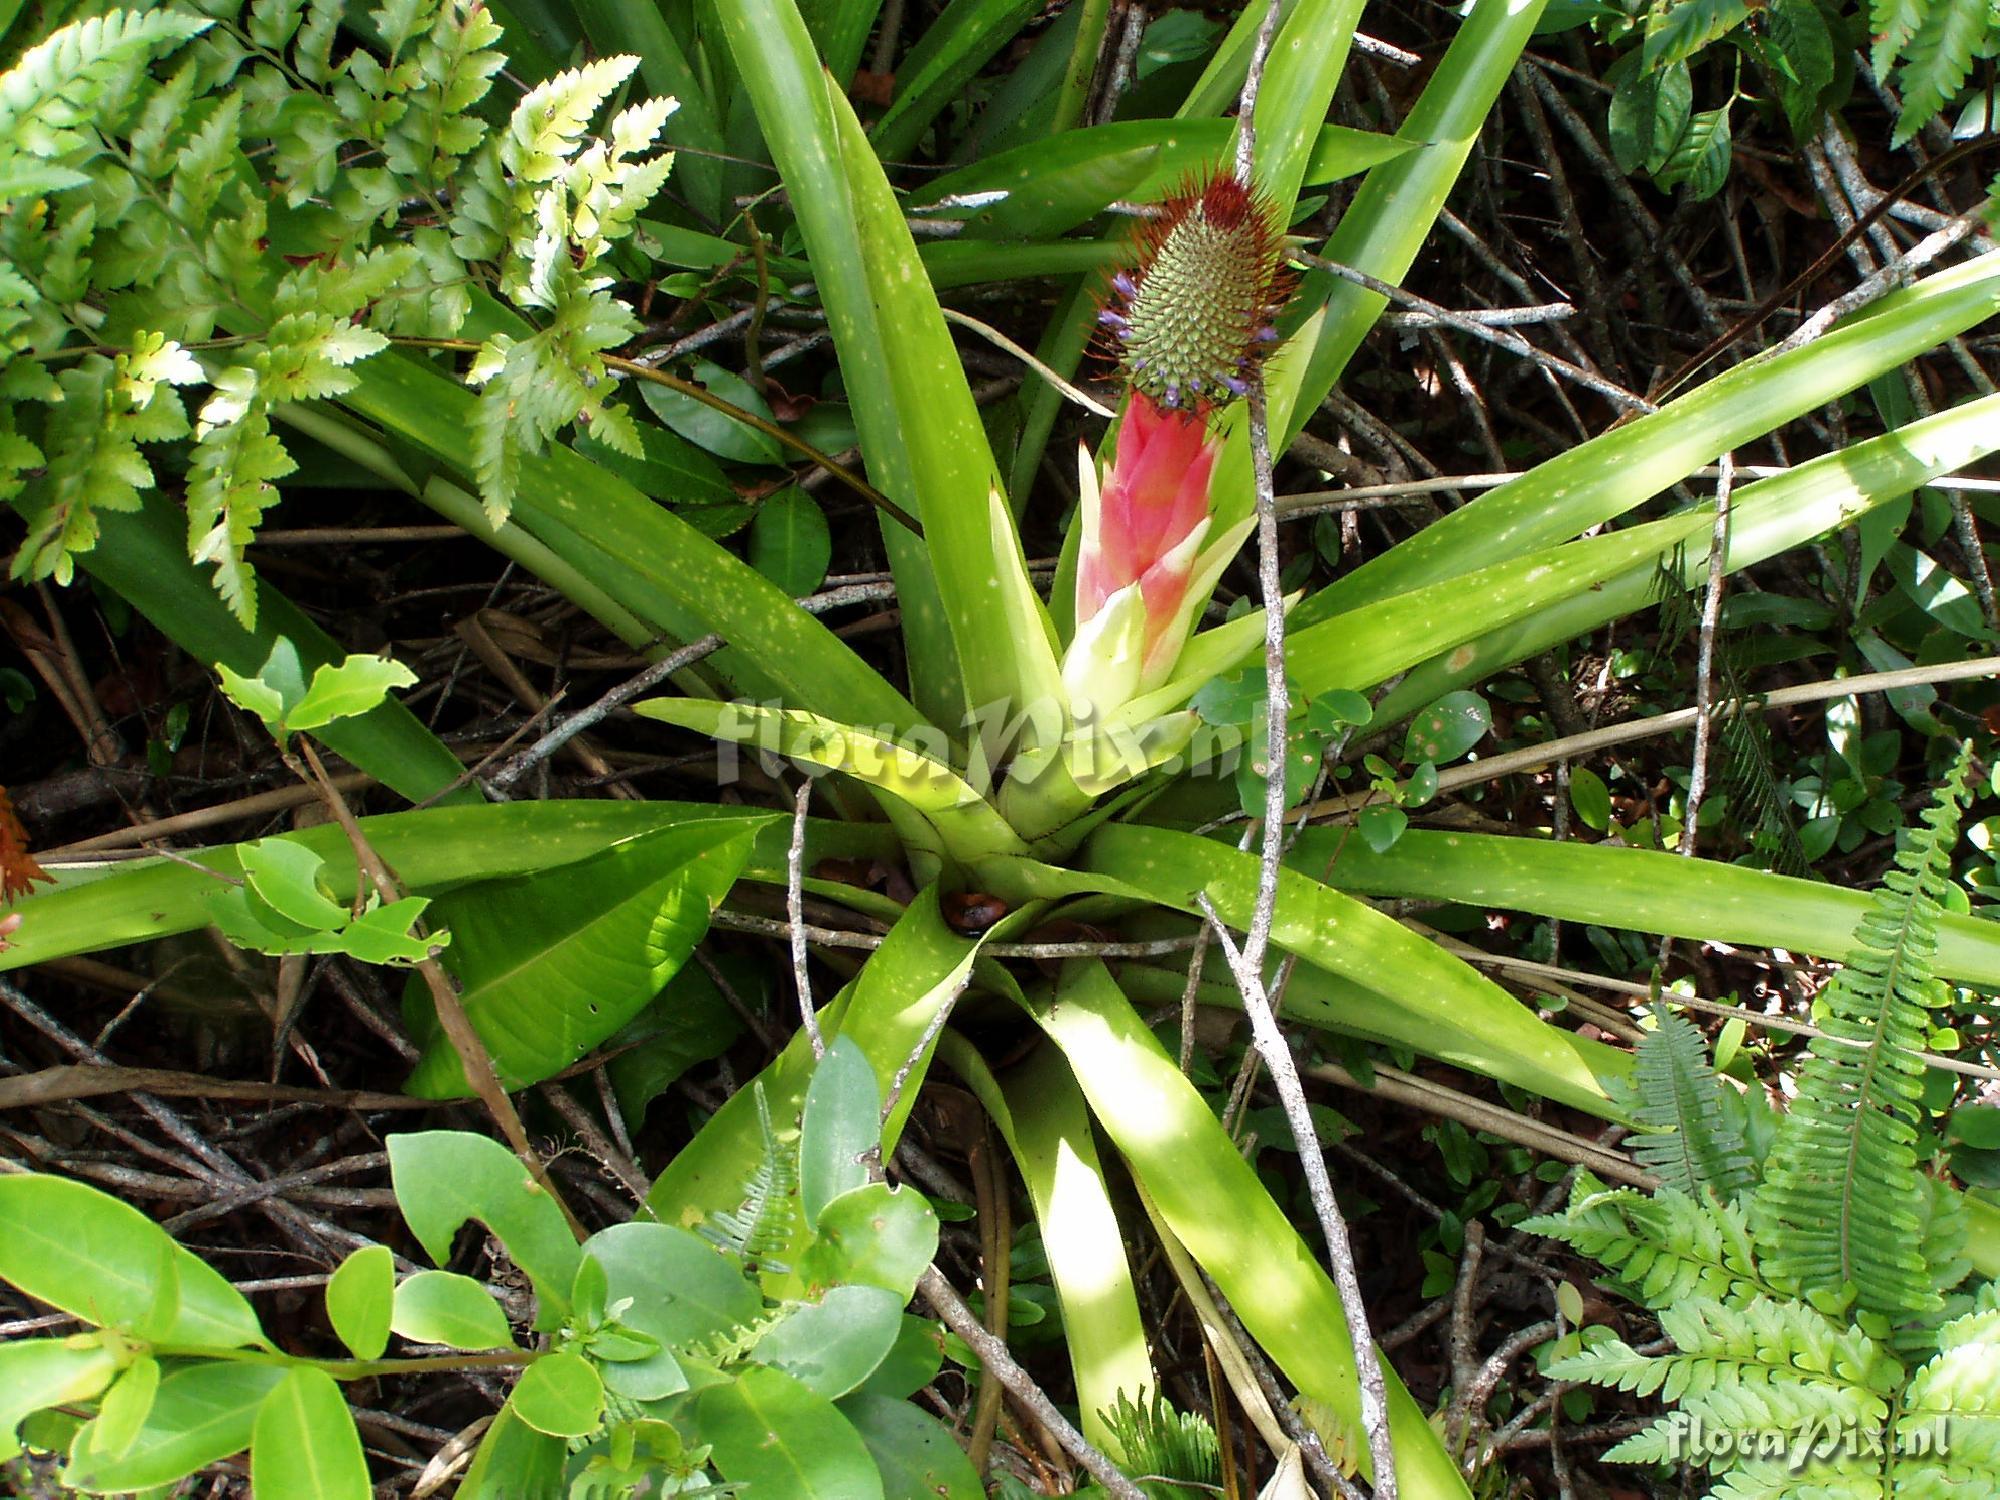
<point>1663,1248</point>
<point>236,456</point>
<point>1937,59</point>
<point>1669,590</point>
<point>51,90</point>
<point>762,1225</point>
<point>548,124</point>
<point>1956,1395</point>
<point>1162,1444</point>
<point>1841,1196</point>
<point>91,441</point>
<point>1685,1139</point>
<point>1751,782</point>
<point>1767,1366</point>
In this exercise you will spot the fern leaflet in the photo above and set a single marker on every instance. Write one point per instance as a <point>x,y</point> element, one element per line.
<point>1840,1197</point>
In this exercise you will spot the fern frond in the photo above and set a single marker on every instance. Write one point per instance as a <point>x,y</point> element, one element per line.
<point>1778,1366</point>
<point>53,89</point>
<point>1686,1140</point>
<point>1663,1248</point>
<point>548,124</point>
<point>91,438</point>
<point>1751,780</point>
<point>1937,59</point>
<point>1163,1445</point>
<point>764,1223</point>
<point>1668,589</point>
<point>236,456</point>
<point>1841,1196</point>
<point>1956,1397</point>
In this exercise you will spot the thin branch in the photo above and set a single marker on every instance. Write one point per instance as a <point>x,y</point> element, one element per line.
<point>1247,965</point>
<point>995,1356</point>
<point>1478,328</point>
<point>1576,746</point>
<point>795,910</point>
<point>1704,681</point>
<point>1000,340</point>
<point>452,1019</point>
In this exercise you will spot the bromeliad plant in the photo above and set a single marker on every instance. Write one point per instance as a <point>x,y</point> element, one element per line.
<point>1042,754</point>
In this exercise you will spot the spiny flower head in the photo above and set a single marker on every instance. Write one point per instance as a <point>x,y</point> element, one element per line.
<point>1192,320</point>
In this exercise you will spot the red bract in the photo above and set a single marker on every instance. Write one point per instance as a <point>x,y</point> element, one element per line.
<point>1155,495</point>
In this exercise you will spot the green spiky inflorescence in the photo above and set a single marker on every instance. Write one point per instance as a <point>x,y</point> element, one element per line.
<point>1191,321</point>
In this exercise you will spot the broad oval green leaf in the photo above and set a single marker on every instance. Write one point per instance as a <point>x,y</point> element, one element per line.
<point>40,1373</point>
<point>917,1457</point>
<point>912,1362</point>
<point>831,1346</point>
<point>304,1446</point>
<point>789,541</point>
<point>359,1296</point>
<point>1447,729</point>
<point>561,1395</point>
<point>552,964</point>
<point>201,1413</point>
<point>773,1436</point>
<point>442,1307</point>
<point>514,1461</point>
<point>877,1235</point>
<point>682,1289</point>
<point>842,1120</point>
<point>442,1178</point>
<point>344,689</point>
<point>81,1250</point>
<point>716,431</point>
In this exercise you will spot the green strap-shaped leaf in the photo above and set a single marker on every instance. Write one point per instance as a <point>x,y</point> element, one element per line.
<point>1307,58</point>
<point>1765,518</point>
<point>935,71</point>
<point>1640,889</point>
<point>1430,999</point>
<point>551,964</point>
<point>1212,1200</point>
<point>782,78</point>
<point>1390,218</point>
<point>647,558</point>
<point>1042,1115</point>
<point>1608,475</point>
<point>965,821</point>
<point>1054,185</point>
<point>886,1011</point>
<point>118,902</point>
<point>1362,647</point>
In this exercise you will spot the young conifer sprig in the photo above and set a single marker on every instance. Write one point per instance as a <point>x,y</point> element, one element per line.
<point>1190,322</point>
